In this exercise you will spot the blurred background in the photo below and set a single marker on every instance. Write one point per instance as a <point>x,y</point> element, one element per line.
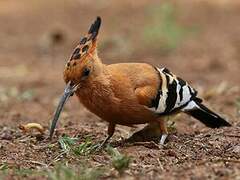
<point>198,40</point>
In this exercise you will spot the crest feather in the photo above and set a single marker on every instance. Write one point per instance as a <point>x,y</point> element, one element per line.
<point>95,28</point>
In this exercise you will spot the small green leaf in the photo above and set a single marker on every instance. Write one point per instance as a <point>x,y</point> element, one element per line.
<point>119,161</point>
<point>85,148</point>
<point>66,142</point>
<point>3,167</point>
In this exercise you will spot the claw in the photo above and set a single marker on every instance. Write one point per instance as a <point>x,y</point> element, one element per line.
<point>101,146</point>
<point>163,138</point>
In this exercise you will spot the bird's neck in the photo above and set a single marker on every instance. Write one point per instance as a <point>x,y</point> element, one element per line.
<point>99,76</point>
<point>98,66</point>
<point>96,88</point>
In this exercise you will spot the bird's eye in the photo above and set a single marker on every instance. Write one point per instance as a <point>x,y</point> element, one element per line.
<point>86,72</point>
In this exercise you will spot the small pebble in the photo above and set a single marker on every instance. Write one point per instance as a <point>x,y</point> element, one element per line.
<point>6,136</point>
<point>171,153</point>
<point>236,149</point>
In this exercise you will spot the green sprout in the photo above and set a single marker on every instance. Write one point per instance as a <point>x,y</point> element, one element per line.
<point>119,161</point>
<point>67,142</point>
<point>62,172</point>
<point>85,148</point>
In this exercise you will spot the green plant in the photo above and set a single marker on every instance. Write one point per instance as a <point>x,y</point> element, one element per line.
<point>119,161</point>
<point>171,125</point>
<point>3,167</point>
<point>20,172</point>
<point>85,148</point>
<point>66,143</point>
<point>62,172</point>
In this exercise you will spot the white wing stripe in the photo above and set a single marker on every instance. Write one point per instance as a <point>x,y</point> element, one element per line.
<point>162,101</point>
<point>178,88</point>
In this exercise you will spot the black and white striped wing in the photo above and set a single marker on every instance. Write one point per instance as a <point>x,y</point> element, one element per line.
<point>174,93</point>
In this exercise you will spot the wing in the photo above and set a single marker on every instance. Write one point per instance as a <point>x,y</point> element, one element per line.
<point>142,79</point>
<point>147,95</point>
<point>174,93</point>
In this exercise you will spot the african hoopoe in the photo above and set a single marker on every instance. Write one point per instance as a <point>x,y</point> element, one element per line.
<point>128,93</point>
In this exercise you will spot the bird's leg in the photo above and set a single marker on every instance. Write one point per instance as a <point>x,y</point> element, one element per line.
<point>111,129</point>
<point>164,131</point>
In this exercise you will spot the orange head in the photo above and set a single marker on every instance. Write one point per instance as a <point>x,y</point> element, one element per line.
<point>84,57</point>
<point>82,65</point>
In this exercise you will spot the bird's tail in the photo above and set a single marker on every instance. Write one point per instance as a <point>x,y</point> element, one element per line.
<point>205,115</point>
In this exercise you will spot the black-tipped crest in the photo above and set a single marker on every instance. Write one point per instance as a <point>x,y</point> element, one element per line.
<point>95,28</point>
<point>87,42</point>
<point>83,40</point>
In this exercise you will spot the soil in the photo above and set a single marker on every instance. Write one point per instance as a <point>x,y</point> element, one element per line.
<point>37,38</point>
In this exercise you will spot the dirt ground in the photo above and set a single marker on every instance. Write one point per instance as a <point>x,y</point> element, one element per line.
<point>202,45</point>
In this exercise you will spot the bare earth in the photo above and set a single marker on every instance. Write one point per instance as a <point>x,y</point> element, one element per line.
<point>37,38</point>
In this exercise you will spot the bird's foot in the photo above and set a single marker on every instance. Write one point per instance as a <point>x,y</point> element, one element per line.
<point>163,138</point>
<point>102,145</point>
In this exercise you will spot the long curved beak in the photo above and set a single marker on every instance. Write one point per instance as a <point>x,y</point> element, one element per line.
<point>69,91</point>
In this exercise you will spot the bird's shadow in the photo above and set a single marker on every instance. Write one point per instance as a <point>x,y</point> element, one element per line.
<point>144,137</point>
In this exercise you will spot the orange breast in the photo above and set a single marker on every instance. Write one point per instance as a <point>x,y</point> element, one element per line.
<point>114,101</point>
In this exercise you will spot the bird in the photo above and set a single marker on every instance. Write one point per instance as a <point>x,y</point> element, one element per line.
<point>128,93</point>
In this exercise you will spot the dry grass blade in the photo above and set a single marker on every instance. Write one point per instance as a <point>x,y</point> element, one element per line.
<point>232,135</point>
<point>37,163</point>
